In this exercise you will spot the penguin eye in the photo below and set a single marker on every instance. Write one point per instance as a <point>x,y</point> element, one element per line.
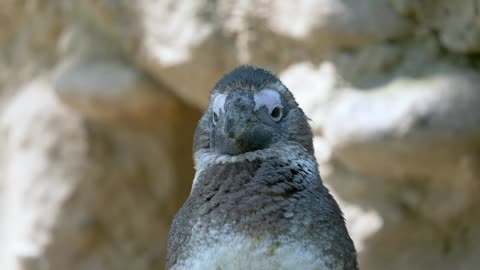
<point>276,113</point>
<point>217,107</point>
<point>272,100</point>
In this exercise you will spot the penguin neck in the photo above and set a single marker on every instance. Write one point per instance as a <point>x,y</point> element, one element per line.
<point>253,192</point>
<point>205,157</point>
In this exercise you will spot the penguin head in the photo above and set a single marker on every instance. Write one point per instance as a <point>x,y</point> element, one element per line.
<point>250,109</point>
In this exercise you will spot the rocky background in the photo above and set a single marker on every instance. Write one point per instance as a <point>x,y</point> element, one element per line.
<point>99,100</point>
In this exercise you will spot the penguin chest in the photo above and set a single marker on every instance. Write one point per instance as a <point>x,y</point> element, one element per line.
<point>242,252</point>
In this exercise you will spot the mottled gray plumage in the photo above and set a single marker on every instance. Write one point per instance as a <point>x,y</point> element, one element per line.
<point>257,200</point>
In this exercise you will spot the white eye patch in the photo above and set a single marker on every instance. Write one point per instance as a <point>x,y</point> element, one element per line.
<point>218,104</point>
<point>270,99</point>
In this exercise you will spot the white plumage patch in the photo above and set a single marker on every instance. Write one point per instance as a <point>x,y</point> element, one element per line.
<point>232,251</point>
<point>240,252</point>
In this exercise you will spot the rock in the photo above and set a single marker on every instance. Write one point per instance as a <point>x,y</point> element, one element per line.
<point>456,23</point>
<point>313,88</point>
<point>438,109</point>
<point>422,244</point>
<point>111,90</point>
<point>44,149</point>
<point>84,195</point>
<point>28,38</point>
<point>338,23</point>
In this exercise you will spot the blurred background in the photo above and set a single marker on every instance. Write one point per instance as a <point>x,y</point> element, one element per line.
<point>99,100</point>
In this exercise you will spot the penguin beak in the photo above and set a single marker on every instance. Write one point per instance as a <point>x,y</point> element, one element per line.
<point>236,122</point>
<point>240,130</point>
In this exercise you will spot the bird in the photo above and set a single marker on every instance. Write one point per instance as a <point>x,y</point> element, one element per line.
<point>257,200</point>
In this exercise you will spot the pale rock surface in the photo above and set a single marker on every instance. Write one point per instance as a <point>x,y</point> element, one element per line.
<point>82,196</point>
<point>338,23</point>
<point>31,209</point>
<point>109,89</point>
<point>456,22</point>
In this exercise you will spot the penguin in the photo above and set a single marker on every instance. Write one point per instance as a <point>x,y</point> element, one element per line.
<point>257,199</point>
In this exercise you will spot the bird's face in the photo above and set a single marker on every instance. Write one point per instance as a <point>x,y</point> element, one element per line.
<point>245,120</point>
<point>250,109</point>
